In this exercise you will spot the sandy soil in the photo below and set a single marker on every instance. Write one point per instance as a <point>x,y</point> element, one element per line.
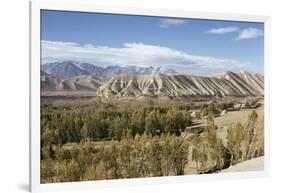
<point>256,164</point>
<point>233,117</point>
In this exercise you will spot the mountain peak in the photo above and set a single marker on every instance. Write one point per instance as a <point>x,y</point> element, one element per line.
<point>69,68</point>
<point>244,72</point>
<point>63,70</point>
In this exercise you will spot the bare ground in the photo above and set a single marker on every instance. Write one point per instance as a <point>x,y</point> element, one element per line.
<point>256,164</point>
<point>229,118</point>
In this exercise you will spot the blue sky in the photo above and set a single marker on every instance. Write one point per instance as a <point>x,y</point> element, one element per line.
<point>187,45</point>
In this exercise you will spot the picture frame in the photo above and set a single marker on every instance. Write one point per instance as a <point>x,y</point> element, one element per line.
<point>35,60</point>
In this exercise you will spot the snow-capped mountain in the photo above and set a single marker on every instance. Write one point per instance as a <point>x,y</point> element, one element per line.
<point>68,69</point>
<point>63,70</point>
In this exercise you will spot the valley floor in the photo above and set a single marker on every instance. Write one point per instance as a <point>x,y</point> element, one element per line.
<point>230,117</point>
<point>198,151</point>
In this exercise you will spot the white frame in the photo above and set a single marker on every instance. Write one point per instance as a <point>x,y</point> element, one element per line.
<point>36,6</point>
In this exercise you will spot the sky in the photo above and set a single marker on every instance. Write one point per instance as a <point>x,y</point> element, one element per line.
<point>191,46</point>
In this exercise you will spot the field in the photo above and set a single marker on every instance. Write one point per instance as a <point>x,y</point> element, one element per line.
<point>91,139</point>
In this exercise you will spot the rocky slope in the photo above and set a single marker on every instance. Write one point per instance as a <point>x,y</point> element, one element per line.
<point>63,70</point>
<point>240,84</point>
<point>78,83</point>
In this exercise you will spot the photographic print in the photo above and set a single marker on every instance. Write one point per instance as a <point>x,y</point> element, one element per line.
<point>134,96</point>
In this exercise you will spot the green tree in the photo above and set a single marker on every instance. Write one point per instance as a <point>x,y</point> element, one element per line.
<point>100,127</point>
<point>137,123</point>
<point>153,123</point>
<point>175,121</point>
<point>87,129</point>
<point>118,127</point>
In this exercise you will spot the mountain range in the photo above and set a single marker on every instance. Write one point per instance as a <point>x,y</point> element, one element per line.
<point>77,83</point>
<point>68,69</point>
<point>132,81</point>
<point>232,84</point>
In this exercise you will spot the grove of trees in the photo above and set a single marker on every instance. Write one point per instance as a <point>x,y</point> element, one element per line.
<point>111,141</point>
<point>77,124</point>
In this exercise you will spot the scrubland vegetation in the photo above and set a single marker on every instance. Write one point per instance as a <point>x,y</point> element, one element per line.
<point>111,140</point>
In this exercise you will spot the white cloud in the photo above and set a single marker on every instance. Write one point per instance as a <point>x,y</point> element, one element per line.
<point>165,23</point>
<point>223,30</point>
<point>136,54</point>
<point>249,33</point>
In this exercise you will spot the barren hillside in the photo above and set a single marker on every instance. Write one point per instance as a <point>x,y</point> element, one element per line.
<point>78,83</point>
<point>228,84</point>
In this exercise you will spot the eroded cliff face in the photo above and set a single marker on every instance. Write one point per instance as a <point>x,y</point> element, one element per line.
<point>240,84</point>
